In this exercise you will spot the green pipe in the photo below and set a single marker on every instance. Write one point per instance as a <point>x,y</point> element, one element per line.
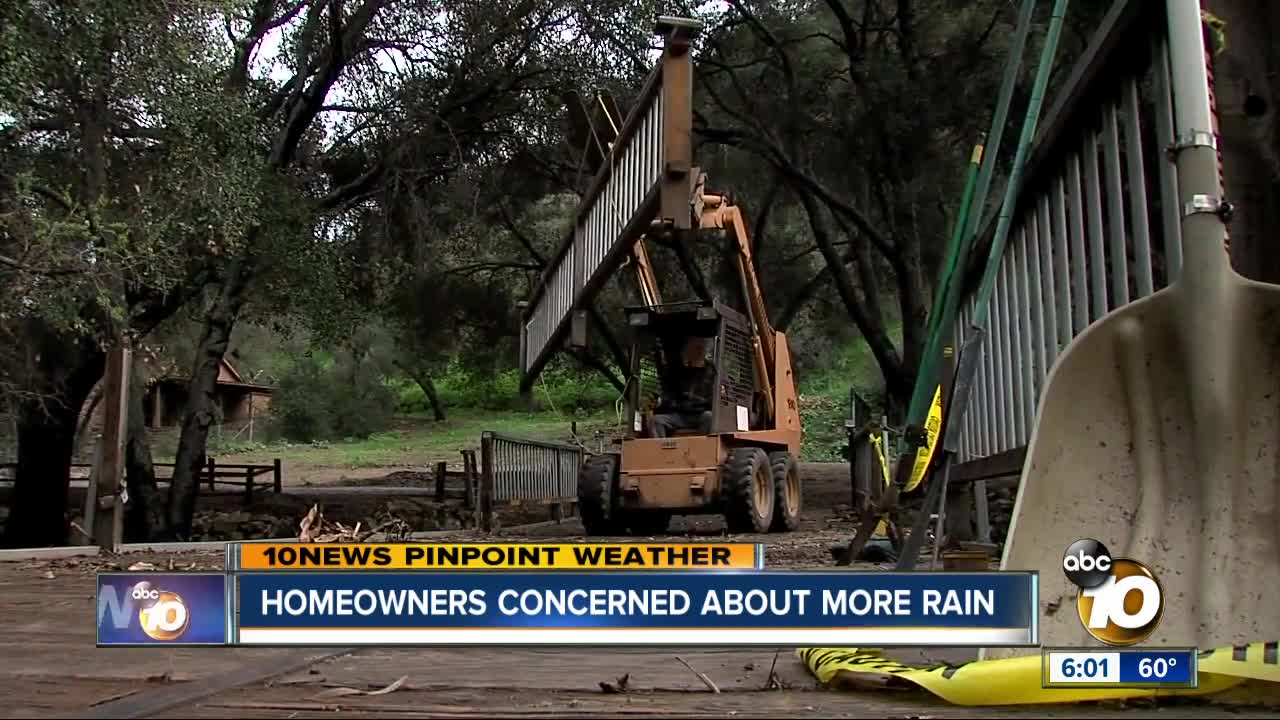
<point>947,295</point>
<point>1019,164</point>
<point>953,247</point>
<point>957,404</point>
<point>998,122</point>
<point>926,377</point>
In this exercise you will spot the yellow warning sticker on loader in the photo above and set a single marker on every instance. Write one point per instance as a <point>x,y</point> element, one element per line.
<point>1018,681</point>
<point>925,454</point>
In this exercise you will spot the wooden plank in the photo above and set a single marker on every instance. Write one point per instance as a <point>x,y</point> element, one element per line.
<point>152,703</point>
<point>1001,465</point>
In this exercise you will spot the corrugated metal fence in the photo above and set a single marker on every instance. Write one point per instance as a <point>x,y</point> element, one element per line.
<point>532,471</point>
<point>1096,225</point>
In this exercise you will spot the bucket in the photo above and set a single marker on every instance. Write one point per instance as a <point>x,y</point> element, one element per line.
<point>966,560</point>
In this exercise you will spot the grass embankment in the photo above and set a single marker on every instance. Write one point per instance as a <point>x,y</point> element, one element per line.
<point>474,406</point>
<point>824,398</point>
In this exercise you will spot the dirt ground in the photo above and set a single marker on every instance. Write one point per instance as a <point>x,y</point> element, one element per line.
<point>49,665</point>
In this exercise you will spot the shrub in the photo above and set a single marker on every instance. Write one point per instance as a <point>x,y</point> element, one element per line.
<point>565,389</point>
<point>318,403</point>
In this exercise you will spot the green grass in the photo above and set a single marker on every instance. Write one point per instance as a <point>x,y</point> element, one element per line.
<point>824,397</point>
<point>417,440</point>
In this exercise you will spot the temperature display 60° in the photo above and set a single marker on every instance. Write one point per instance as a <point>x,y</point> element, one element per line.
<point>1119,667</point>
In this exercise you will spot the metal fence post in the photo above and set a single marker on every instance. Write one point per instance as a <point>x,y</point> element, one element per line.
<point>486,482</point>
<point>213,472</point>
<point>277,481</point>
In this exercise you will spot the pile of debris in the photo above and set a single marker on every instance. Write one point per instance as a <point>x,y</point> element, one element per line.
<point>315,528</point>
<point>1000,503</point>
<point>210,525</point>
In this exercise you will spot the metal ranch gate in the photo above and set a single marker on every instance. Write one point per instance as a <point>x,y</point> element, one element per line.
<point>531,471</point>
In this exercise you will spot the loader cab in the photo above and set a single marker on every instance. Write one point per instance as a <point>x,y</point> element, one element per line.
<point>661,337</point>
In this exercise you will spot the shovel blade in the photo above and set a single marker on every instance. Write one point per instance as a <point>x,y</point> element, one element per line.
<point>1161,443</point>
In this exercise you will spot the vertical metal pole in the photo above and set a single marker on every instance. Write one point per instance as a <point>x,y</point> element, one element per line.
<point>1061,262</point>
<point>1115,206</point>
<point>1170,223</point>
<point>980,505</point>
<point>1037,239</point>
<point>277,480</point>
<point>1079,261</point>
<point>442,470</point>
<point>1137,189</point>
<point>940,525</point>
<point>920,528</point>
<point>108,526</point>
<point>1017,337</point>
<point>1097,250</point>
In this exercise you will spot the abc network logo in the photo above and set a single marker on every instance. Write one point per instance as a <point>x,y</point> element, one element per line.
<point>162,614</point>
<point>1120,600</point>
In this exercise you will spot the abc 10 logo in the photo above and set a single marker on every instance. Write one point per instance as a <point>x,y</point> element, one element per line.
<point>1120,600</point>
<point>161,613</point>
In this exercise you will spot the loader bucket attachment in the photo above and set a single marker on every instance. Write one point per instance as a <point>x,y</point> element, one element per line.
<point>1158,427</point>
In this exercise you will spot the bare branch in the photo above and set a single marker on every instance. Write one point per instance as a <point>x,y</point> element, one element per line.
<point>49,194</point>
<point>351,109</point>
<point>19,266</point>
<point>491,266</point>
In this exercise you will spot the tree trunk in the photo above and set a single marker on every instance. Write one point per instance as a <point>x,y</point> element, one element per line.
<point>915,314</point>
<point>144,513</point>
<point>856,301</point>
<point>429,389</point>
<point>595,363</point>
<point>38,511</point>
<point>46,438</point>
<point>202,402</point>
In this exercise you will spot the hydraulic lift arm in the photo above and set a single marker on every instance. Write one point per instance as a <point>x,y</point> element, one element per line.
<point>646,279</point>
<point>719,213</point>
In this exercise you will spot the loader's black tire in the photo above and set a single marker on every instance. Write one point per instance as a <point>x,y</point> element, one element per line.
<point>597,483</point>
<point>786,492</point>
<point>748,491</point>
<point>647,523</point>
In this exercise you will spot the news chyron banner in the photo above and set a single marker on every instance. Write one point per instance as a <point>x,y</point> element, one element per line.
<point>315,595</point>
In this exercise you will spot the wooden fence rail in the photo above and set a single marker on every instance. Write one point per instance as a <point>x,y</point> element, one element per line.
<point>212,474</point>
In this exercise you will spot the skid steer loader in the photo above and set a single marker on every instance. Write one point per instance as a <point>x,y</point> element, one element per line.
<point>741,460</point>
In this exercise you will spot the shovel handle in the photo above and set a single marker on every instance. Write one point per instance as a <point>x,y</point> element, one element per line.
<point>1208,20</point>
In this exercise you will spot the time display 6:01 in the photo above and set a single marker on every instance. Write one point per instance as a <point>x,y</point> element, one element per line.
<point>1088,667</point>
<point>1084,667</point>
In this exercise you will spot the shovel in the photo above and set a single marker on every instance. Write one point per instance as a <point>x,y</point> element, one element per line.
<point>1158,427</point>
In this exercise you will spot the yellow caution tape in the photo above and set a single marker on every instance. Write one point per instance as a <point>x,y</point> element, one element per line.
<point>882,529</point>
<point>1017,681</point>
<point>884,464</point>
<point>925,454</point>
